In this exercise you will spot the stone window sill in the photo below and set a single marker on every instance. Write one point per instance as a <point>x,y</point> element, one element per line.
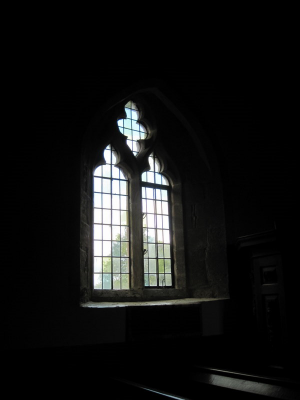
<point>186,301</point>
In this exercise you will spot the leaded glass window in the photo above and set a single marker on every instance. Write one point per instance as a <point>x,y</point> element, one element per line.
<point>131,128</point>
<point>156,227</point>
<point>112,257</point>
<point>111,226</point>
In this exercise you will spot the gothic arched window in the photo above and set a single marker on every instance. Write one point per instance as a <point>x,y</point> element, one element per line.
<point>151,206</point>
<point>113,261</point>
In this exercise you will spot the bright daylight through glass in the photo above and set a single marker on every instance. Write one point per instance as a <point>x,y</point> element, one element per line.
<point>111,226</point>
<point>131,128</point>
<point>156,227</point>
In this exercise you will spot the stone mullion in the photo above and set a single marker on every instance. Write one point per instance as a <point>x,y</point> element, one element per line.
<point>136,235</point>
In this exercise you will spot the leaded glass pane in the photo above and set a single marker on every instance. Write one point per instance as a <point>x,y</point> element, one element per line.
<point>116,217</point>
<point>106,232</point>
<point>97,215</point>
<point>165,208</point>
<point>98,232</point>
<point>161,279</point>
<point>150,220</point>
<point>161,266</point>
<point>123,187</point>
<point>124,249</point>
<point>158,221</point>
<point>106,185</point>
<point>152,250</point>
<point>97,184</point>
<point>146,280</point>
<point>168,279</point>
<point>158,179</point>
<point>165,222</point>
<point>115,173</point>
<point>135,135</point>
<point>124,265</point>
<point>106,171</point>
<point>127,122</point>
<point>106,264</point>
<point>166,236</point>
<point>106,281</point>
<point>152,265</point>
<point>106,248</point>
<point>159,235</point>
<point>115,186</point>
<point>116,281</point>
<point>116,202</point>
<point>98,264</point>
<point>146,265</point>
<point>164,195</point>
<point>116,233</point>
<point>150,206</point>
<point>160,250</point>
<point>149,193</point>
<point>124,281</point>
<point>168,265</point>
<point>98,200</point>
<point>97,248</point>
<point>116,249</point>
<point>116,264</point>
<point>124,203</point>
<point>151,235</point>
<point>124,218</point>
<point>167,251</point>
<point>125,233</point>
<point>98,281</point>
<point>153,279</point>
<point>106,199</point>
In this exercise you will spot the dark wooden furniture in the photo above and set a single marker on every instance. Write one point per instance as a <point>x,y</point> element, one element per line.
<point>262,254</point>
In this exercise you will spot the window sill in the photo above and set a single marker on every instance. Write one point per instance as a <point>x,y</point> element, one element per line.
<point>181,302</point>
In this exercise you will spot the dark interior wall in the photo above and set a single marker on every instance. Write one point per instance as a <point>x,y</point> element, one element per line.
<point>255,162</point>
<point>238,112</point>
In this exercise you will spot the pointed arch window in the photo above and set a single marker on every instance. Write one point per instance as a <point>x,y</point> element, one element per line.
<point>111,226</point>
<point>133,232</point>
<point>157,236</point>
<point>143,233</point>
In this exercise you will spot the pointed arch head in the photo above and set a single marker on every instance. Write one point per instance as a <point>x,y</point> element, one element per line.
<point>143,95</point>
